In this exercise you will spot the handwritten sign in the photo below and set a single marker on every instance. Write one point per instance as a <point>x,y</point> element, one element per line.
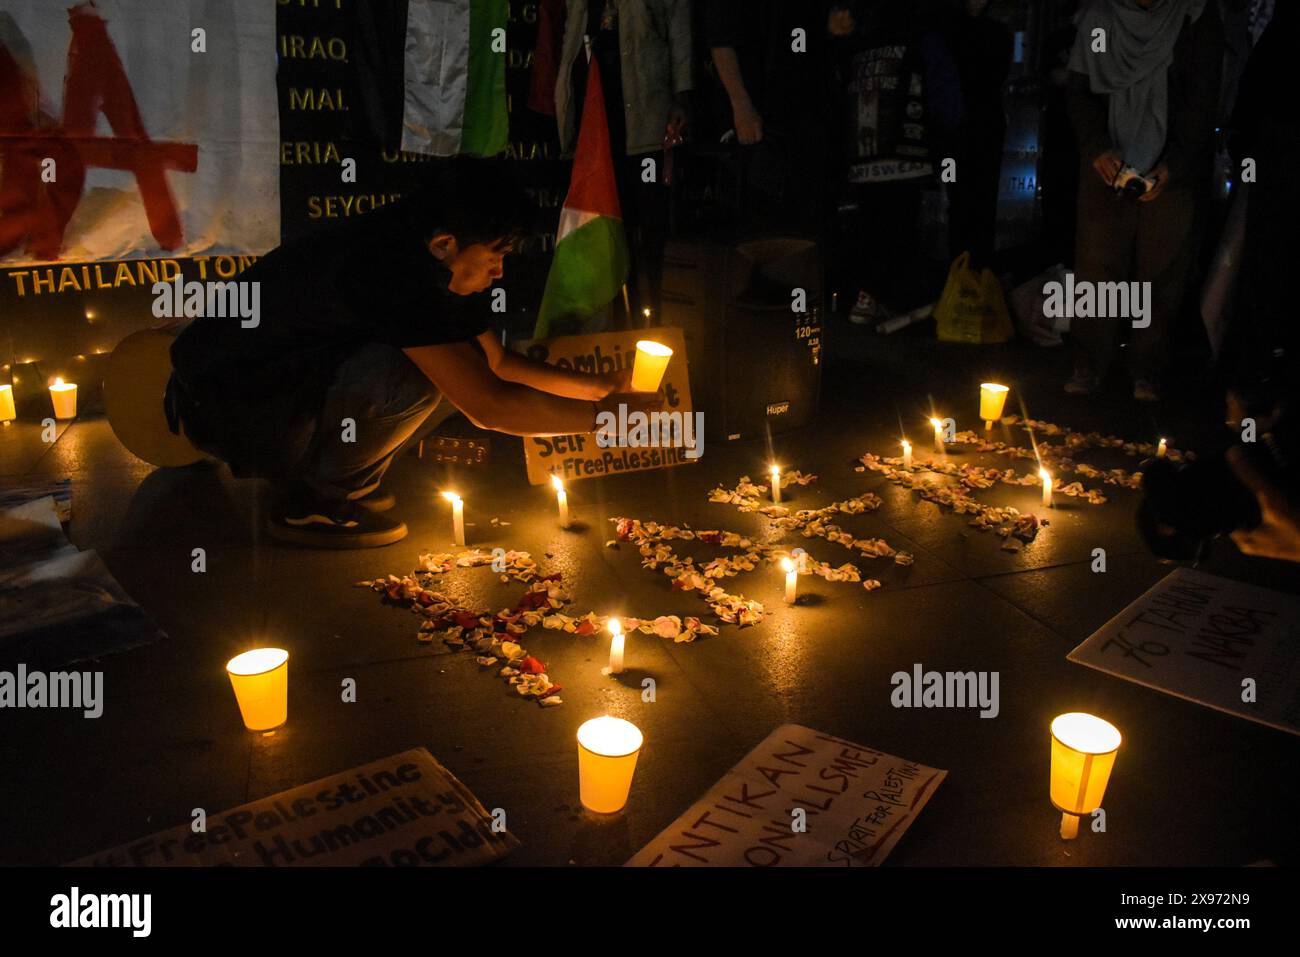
<point>406,810</point>
<point>1217,642</point>
<point>801,798</point>
<point>580,456</point>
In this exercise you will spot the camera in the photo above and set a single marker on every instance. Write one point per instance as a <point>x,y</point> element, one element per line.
<point>1131,183</point>
<point>1187,504</point>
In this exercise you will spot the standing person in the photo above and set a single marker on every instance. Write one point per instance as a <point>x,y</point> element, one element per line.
<point>778,92</point>
<point>643,51</point>
<point>981,48</point>
<point>1145,102</point>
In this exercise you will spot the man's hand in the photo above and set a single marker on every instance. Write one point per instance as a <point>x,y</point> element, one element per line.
<point>679,115</point>
<point>1108,165</point>
<point>646,402</point>
<point>1278,534</point>
<point>1159,178</point>
<point>749,124</point>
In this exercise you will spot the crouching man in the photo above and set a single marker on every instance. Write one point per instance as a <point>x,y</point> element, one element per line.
<point>362,329</point>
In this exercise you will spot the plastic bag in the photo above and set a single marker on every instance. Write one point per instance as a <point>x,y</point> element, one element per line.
<point>972,308</point>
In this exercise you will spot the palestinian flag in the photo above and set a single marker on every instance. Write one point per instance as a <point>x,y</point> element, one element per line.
<point>590,264</point>
<point>455,81</point>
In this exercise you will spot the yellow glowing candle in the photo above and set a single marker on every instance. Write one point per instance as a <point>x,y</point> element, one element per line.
<point>1083,753</point>
<point>993,398</point>
<point>776,484</point>
<point>791,580</point>
<point>457,516</point>
<point>615,647</point>
<point>1047,487</point>
<point>64,396</point>
<point>607,753</point>
<point>562,499</point>
<point>938,436</point>
<point>261,682</point>
<point>1162,449</point>
<point>649,366</point>
<point>7,411</point>
<point>907,455</point>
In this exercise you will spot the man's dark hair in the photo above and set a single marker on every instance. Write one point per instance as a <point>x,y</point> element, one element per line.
<point>477,201</point>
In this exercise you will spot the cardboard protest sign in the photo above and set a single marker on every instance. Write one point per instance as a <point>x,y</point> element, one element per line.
<point>581,456</point>
<point>405,810</point>
<point>856,804</point>
<point>1201,637</point>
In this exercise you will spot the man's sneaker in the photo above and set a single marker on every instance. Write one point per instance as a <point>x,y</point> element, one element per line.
<point>1144,390</point>
<point>378,500</point>
<point>333,525</point>
<point>1082,383</point>
<point>868,311</point>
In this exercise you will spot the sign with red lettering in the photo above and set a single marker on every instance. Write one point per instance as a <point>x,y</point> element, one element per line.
<point>799,799</point>
<point>131,128</point>
<point>1211,640</point>
<point>407,810</point>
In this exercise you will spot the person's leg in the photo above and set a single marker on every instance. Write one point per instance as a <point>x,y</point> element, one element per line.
<point>1103,253</point>
<point>377,401</point>
<point>1167,240</point>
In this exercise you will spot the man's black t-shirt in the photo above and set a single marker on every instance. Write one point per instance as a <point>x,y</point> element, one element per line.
<point>372,279</point>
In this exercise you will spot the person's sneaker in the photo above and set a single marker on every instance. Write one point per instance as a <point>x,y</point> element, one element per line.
<point>1082,383</point>
<point>317,524</point>
<point>868,311</point>
<point>378,500</point>
<point>1144,390</point>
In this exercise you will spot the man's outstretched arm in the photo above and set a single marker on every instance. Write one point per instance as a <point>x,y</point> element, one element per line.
<point>513,367</point>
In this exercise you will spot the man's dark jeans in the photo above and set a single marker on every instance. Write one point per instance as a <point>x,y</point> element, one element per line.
<point>376,400</point>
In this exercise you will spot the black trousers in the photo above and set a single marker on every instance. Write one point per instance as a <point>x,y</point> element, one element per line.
<point>376,400</point>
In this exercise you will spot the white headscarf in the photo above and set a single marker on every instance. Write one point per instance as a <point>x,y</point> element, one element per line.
<point>1134,70</point>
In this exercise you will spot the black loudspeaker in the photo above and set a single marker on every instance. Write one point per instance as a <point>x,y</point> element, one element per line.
<point>755,360</point>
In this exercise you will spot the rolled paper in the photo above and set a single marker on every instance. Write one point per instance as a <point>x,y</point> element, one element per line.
<point>260,679</point>
<point>64,396</point>
<point>993,399</point>
<point>607,753</point>
<point>1083,754</point>
<point>7,411</point>
<point>649,366</point>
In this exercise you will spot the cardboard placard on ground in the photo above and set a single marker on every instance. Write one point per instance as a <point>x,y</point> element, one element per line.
<point>579,456</point>
<point>401,811</point>
<point>1200,637</point>
<point>857,802</point>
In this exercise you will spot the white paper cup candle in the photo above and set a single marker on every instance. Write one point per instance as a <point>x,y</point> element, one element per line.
<point>1047,487</point>
<point>993,399</point>
<point>649,366</point>
<point>1083,753</point>
<point>907,455</point>
<point>457,517</point>
<point>607,753</point>
<point>561,499</point>
<point>7,411</point>
<point>938,436</point>
<point>64,396</point>
<point>261,681</point>
<point>776,484</point>
<point>615,647</point>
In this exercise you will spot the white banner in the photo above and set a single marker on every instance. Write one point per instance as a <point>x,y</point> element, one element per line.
<point>135,128</point>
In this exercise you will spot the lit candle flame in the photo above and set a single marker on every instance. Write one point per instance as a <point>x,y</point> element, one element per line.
<point>451,496</point>
<point>556,483</point>
<point>787,566</point>
<point>615,626</point>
